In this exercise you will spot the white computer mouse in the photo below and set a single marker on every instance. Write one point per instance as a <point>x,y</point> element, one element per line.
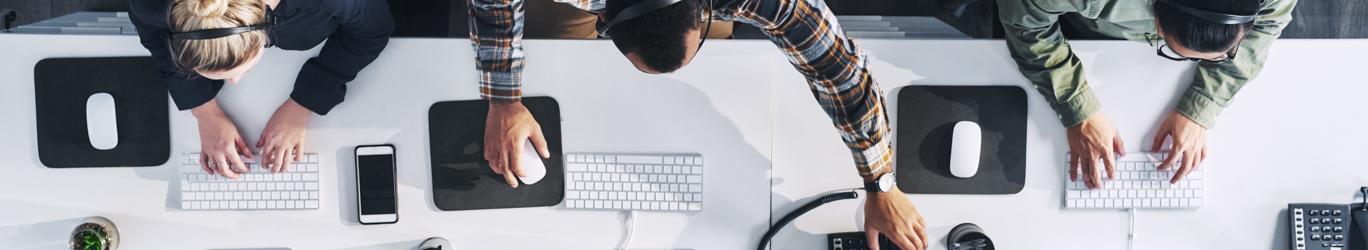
<point>532,164</point>
<point>964,149</point>
<point>101,125</point>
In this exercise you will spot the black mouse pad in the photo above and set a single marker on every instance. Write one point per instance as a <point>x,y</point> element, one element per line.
<point>61,88</point>
<point>926,118</point>
<point>461,177</point>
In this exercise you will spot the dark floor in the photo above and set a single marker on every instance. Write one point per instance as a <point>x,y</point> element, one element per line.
<point>447,18</point>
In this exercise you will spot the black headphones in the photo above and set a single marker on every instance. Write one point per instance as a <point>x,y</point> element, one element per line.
<point>269,25</point>
<point>1221,18</point>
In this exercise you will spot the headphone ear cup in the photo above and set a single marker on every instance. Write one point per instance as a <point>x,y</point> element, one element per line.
<point>968,234</point>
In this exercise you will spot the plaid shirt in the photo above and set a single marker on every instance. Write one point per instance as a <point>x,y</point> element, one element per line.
<point>805,31</point>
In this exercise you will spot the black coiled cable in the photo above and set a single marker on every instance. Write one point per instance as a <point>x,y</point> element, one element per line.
<point>774,229</point>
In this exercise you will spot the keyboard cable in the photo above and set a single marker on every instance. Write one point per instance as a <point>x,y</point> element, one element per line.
<point>1131,237</point>
<point>631,229</point>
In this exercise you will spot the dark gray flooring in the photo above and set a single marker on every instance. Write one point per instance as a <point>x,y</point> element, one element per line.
<point>447,18</point>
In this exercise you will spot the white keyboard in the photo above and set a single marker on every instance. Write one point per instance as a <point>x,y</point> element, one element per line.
<point>645,182</point>
<point>1137,185</point>
<point>294,189</point>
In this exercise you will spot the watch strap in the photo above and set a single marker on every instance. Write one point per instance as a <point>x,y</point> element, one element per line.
<point>872,186</point>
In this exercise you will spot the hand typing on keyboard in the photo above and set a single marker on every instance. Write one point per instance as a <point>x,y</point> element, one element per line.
<point>1090,140</point>
<point>1138,184</point>
<point>220,141</point>
<point>283,140</point>
<point>1189,139</point>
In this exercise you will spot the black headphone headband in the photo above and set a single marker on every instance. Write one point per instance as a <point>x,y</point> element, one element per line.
<point>268,25</point>
<point>217,33</point>
<point>1221,18</point>
<point>636,10</point>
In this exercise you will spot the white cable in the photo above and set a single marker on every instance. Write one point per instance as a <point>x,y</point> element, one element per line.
<point>631,229</point>
<point>1132,238</point>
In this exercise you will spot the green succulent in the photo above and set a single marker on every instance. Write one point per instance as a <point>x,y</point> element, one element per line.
<point>90,239</point>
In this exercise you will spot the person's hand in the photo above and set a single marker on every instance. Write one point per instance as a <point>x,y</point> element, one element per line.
<point>508,125</point>
<point>220,142</point>
<point>1189,142</point>
<point>282,141</point>
<point>1094,138</point>
<point>892,214</point>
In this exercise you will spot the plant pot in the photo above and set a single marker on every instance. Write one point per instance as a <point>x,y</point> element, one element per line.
<point>95,233</point>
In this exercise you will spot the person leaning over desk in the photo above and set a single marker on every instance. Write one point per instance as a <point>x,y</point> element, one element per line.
<point>664,39</point>
<point>1229,39</point>
<point>194,65</point>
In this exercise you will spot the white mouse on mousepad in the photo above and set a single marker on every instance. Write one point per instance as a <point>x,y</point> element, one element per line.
<point>532,164</point>
<point>101,126</point>
<point>964,149</point>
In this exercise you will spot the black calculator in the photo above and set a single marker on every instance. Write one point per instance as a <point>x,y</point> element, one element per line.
<point>856,241</point>
<point>1318,226</point>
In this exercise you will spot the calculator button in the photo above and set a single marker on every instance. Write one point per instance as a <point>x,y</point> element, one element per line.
<point>1338,220</point>
<point>1314,229</point>
<point>1315,237</point>
<point>1339,237</point>
<point>1315,212</point>
<point>1337,212</point>
<point>1338,229</point>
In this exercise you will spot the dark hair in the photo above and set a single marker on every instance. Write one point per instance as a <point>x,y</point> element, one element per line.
<point>657,37</point>
<point>1199,34</point>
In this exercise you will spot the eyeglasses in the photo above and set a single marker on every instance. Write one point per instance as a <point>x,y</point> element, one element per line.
<point>702,7</point>
<point>1166,51</point>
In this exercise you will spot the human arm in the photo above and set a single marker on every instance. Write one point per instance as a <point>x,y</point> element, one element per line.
<point>496,35</point>
<point>1044,57</point>
<point>220,142</point>
<point>836,72</point>
<point>363,31</point>
<point>1212,89</point>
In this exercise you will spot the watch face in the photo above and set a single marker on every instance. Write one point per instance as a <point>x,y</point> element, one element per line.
<point>886,182</point>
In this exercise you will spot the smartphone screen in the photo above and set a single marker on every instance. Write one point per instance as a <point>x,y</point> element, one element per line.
<point>375,187</point>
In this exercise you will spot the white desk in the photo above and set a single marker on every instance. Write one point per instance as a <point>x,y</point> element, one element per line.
<point>724,106</point>
<point>703,109</point>
<point>1293,135</point>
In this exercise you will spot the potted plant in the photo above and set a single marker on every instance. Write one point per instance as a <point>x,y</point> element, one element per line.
<point>95,233</point>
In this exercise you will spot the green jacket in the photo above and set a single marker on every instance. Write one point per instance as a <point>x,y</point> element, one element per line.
<point>1043,55</point>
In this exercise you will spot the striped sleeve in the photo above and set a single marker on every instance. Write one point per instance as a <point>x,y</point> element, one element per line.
<point>835,70</point>
<point>496,29</point>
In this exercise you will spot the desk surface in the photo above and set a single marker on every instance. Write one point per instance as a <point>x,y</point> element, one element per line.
<point>741,105</point>
<point>1292,135</point>
<point>693,111</point>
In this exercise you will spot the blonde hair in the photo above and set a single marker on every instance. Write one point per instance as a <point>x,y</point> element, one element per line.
<point>218,54</point>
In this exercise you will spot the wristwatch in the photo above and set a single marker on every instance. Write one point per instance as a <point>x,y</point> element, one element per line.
<point>883,183</point>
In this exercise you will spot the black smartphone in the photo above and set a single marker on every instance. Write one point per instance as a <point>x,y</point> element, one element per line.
<point>376,194</point>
